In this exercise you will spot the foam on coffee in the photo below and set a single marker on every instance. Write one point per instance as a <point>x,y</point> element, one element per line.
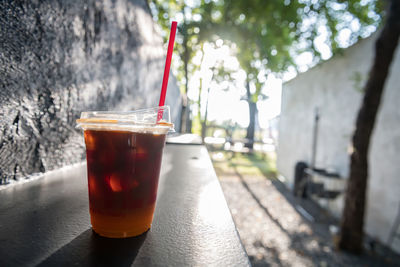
<point>161,127</point>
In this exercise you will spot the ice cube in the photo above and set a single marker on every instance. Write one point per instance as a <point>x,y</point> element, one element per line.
<point>89,141</point>
<point>114,182</point>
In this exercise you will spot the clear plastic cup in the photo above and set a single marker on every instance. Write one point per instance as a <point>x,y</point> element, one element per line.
<point>124,152</point>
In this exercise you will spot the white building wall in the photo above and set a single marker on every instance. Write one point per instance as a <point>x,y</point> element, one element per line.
<point>334,87</point>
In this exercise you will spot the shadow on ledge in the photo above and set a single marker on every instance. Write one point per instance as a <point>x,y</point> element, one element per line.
<point>90,249</point>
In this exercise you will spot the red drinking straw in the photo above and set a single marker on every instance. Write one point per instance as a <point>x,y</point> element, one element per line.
<point>166,69</point>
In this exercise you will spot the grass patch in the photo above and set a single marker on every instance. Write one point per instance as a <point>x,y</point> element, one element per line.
<point>256,164</point>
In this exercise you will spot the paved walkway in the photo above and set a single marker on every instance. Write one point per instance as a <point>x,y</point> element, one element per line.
<point>276,231</point>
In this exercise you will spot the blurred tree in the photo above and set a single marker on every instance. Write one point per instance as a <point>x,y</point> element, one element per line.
<point>194,29</point>
<point>164,11</point>
<point>270,34</point>
<point>220,75</point>
<point>274,32</point>
<point>351,235</point>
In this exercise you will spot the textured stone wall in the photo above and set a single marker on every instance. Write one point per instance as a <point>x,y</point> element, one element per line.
<point>58,58</point>
<point>335,87</point>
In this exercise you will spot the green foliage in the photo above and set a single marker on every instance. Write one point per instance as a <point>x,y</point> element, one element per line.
<point>262,33</point>
<point>187,40</point>
<point>356,16</point>
<point>267,34</point>
<point>358,81</point>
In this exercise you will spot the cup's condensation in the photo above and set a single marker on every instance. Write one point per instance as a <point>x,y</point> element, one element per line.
<point>123,172</point>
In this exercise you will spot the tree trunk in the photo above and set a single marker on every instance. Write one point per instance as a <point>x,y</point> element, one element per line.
<point>183,114</point>
<point>351,235</point>
<point>200,90</point>
<point>204,122</point>
<point>199,108</point>
<point>203,129</point>
<point>252,121</point>
<point>185,111</point>
<point>188,119</point>
<point>252,125</point>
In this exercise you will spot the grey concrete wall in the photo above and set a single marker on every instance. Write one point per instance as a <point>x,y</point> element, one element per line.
<point>58,58</point>
<point>335,88</point>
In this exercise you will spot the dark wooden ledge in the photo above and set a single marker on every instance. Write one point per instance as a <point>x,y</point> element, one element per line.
<point>46,221</point>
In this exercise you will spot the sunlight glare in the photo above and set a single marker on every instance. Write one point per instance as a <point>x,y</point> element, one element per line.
<point>225,101</point>
<point>303,61</point>
<point>271,107</point>
<point>320,43</point>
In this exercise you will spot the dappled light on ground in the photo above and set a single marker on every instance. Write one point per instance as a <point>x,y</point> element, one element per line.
<point>276,228</point>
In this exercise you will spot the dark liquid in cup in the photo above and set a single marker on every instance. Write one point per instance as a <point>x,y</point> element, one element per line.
<point>123,171</point>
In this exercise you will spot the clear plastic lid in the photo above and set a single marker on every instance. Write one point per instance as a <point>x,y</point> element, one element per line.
<point>151,120</point>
